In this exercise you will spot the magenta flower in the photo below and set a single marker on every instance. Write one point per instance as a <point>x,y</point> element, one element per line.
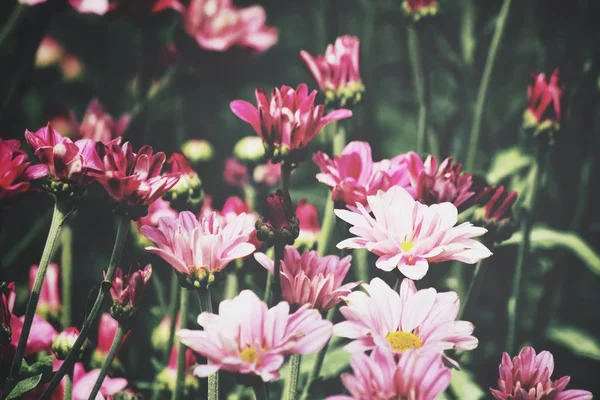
<point>134,178</point>
<point>337,72</point>
<point>84,382</point>
<point>219,26</point>
<point>267,174</point>
<point>408,235</point>
<point>543,100</point>
<point>156,210</point>
<point>256,338</point>
<point>61,159</point>
<point>235,173</point>
<point>309,279</point>
<point>49,302</point>
<point>309,224</point>
<point>99,7</point>
<point>528,377</point>
<point>411,319</point>
<point>418,9</point>
<point>287,121</point>
<point>99,125</point>
<point>127,290</point>
<point>415,376</point>
<point>499,206</point>
<point>14,169</point>
<point>198,249</point>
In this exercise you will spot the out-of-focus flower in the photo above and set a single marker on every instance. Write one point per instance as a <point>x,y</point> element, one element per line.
<point>72,67</point>
<point>50,52</point>
<point>84,383</point>
<point>235,173</point>
<point>156,210</point>
<point>249,149</point>
<point>528,377</point>
<point>132,178</point>
<point>311,279</point>
<point>127,292</point>
<point>136,8</point>
<point>415,376</point>
<point>408,235</point>
<point>411,319</point>
<point>99,7</point>
<point>543,103</point>
<point>417,9</point>
<point>258,338</point>
<point>496,214</point>
<point>287,121</point>
<point>160,334</point>
<point>49,302</point>
<point>167,378</point>
<point>338,72</point>
<point>187,193</point>
<point>309,223</point>
<point>64,341</point>
<point>218,26</point>
<point>106,333</point>
<point>15,170</point>
<point>267,174</point>
<point>278,222</point>
<point>200,248</point>
<point>433,185</point>
<point>198,150</point>
<point>99,125</point>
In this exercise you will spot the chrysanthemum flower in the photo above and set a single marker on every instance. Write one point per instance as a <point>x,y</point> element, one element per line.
<point>288,120</point>
<point>249,338</point>
<point>99,125</point>
<point>267,174</point>
<point>408,235</point>
<point>49,302</point>
<point>14,169</point>
<point>311,279</point>
<point>543,102</point>
<point>415,376</point>
<point>99,7</point>
<point>528,377</point>
<point>200,248</point>
<point>496,214</point>
<point>411,319</point>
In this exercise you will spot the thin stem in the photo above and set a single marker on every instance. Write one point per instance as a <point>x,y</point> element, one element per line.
<point>250,196</point>
<point>276,283</point>
<point>114,347</point>
<point>69,385</point>
<point>339,138</point>
<point>268,286</point>
<point>361,256</point>
<point>286,175</point>
<point>261,391</point>
<point>316,370</point>
<point>180,376</point>
<point>231,285</point>
<point>122,232</point>
<point>471,293</point>
<point>58,219</point>
<point>420,84</point>
<point>292,391</point>
<point>213,380</point>
<point>15,251</point>
<point>12,21</point>
<point>66,274</point>
<point>483,87</point>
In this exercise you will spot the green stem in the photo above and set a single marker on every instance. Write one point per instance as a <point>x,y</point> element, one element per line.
<point>361,256</point>
<point>15,251</point>
<point>524,245</point>
<point>58,218</point>
<point>420,84</point>
<point>477,274</point>
<point>339,138</point>
<point>12,21</point>
<point>122,232</point>
<point>213,380</point>
<point>231,285</point>
<point>483,87</point>
<point>286,175</point>
<point>261,391</point>
<point>180,376</point>
<point>292,391</point>
<point>316,370</point>
<point>268,286</point>
<point>250,196</point>
<point>69,385</point>
<point>66,274</point>
<point>276,283</point>
<point>112,353</point>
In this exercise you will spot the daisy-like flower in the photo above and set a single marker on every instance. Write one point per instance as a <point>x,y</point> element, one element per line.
<point>543,102</point>
<point>257,339</point>
<point>288,120</point>
<point>99,7</point>
<point>49,302</point>
<point>311,279</point>
<point>528,377</point>
<point>412,319</point>
<point>200,248</point>
<point>415,376</point>
<point>99,125</point>
<point>408,235</point>
<point>14,169</point>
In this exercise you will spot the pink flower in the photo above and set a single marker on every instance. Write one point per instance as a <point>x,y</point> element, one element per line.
<point>233,207</point>
<point>337,72</point>
<point>415,376</point>
<point>84,382</point>
<point>156,210</point>
<point>527,377</point>
<point>289,120</point>
<point>248,338</point>
<point>49,302</point>
<point>544,100</point>
<point>106,333</point>
<point>499,206</point>
<point>14,169</point>
<point>134,178</point>
<point>100,126</point>
<point>311,279</point>
<point>127,290</point>
<point>267,174</point>
<point>61,159</point>
<point>408,235</point>
<point>308,219</point>
<point>235,173</point>
<point>99,7</point>
<point>198,249</point>
<point>218,26</point>
<point>412,319</point>
<point>418,5</point>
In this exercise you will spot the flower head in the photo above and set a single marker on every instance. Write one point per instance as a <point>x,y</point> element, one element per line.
<point>49,302</point>
<point>14,169</point>
<point>311,279</point>
<point>249,149</point>
<point>288,120</point>
<point>411,319</point>
<point>187,193</point>
<point>127,292</point>
<point>528,377</point>
<point>100,126</point>
<point>64,341</point>
<point>200,248</point>
<point>496,214</point>
<point>99,7</point>
<point>258,338</point>
<point>417,9</point>
<point>415,376</point>
<point>279,222</point>
<point>408,235</point>
<point>83,383</point>
<point>543,102</point>
<point>156,210</point>
<point>337,72</point>
<point>49,52</point>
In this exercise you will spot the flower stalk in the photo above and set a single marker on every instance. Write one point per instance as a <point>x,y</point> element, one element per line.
<point>180,377</point>
<point>276,282</point>
<point>66,274</point>
<point>69,385</point>
<point>421,87</point>
<point>213,380</point>
<point>261,391</point>
<point>292,391</point>
<point>114,347</point>
<point>316,370</point>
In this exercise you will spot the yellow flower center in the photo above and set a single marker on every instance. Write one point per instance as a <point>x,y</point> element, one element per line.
<point>406,246</point>
<point>249,354</point>
<point>402,341</point>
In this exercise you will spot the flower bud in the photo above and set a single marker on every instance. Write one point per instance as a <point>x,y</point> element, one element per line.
<point>187,193</point>
<point>417,9</point>
<point>167,377</point>
<point>64,341</point>
<point>543,114</point>
<point>160,334</point>
<point>279,223</point>
<point>496,214</point>
<point>49,52</point>
<point>127,292</point>
<point>125,396</point>
<point>249,149</point>
<point>198,150</point>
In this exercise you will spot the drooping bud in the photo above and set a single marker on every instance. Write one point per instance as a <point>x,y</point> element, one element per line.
<point>64,341</point>
<point>417,9</point>
<point>249,149</point>
<point>198,150</point>
<point>187,193</point>
<point>543,112</point>
<point>496,214</point>
<point>127,292</point>
<point>278,223</point>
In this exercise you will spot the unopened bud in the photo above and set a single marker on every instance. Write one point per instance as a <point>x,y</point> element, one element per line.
<point>198,150</point>
<point>64,341</point>
<point>249,149</point>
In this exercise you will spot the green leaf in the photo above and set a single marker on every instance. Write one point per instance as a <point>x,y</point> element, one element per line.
<point>464,387</point>
<point>548,238</point>
<point>576,340</point>
<point>506,163</point>
<point>24,386</point>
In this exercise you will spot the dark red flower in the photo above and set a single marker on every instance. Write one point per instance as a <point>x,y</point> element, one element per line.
<point>279,220</point>
<point>543,100</point>
<point>499,206</point>
<point>127,292</point>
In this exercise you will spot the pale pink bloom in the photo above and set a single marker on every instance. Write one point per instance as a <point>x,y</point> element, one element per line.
<point>267,174</point>
<point>408,235</point>
<point>415,376</point>
<point>49,301</point>
<point>311,279</point>
<point>62,159</point>
<point>218,26</point>
<point>232,207</point>
<point>528,377</point>
<point>411,319</point>
<point>15,170</point>
<point>289,119</point>
<point>99,125</point>
<point>99,7</point>
<point>198,246</point>
<point>156,210</point>
<point>247,337</point>
<point>235,173</point>
<point>72,67</point>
